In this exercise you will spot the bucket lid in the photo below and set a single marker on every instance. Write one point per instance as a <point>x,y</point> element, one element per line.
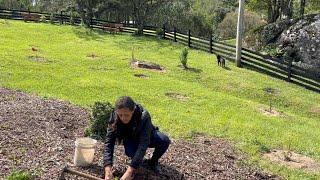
<point>85,142</point>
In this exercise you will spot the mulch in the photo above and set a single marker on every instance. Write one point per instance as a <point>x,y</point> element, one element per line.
<point>37,135</point>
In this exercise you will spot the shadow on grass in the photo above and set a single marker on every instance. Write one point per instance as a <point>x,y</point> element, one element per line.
<point>195,70</point>
<point>190,69</point>
<point>89,34</point>
<point>284,78</point>
<point>226,68</point>
<point>140,42</point>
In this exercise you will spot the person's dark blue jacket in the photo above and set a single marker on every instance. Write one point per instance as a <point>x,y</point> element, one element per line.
<point>138,129</point>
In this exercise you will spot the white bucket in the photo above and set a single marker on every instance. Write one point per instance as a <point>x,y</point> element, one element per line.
<point>84,151</point>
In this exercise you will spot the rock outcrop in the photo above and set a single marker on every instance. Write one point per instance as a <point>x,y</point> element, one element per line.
<point>303,35</point>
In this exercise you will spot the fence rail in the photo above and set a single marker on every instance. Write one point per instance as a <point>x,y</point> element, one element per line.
<point>250,59</point>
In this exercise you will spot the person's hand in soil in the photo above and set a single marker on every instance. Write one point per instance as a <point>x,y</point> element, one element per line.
<point>129,174</point>
<point>108,173</point>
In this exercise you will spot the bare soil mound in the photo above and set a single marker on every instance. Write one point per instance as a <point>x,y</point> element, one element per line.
<point>293,160</point>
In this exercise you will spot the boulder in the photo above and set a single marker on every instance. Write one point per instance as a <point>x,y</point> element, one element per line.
<point>301,36</point>
<point>304,36</point>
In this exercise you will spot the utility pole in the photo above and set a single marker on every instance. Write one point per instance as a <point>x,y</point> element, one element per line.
<point>239,33</point>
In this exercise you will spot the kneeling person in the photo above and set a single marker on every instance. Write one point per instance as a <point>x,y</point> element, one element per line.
<point>131,124</point>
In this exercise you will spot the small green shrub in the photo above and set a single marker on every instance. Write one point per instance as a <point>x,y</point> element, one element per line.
<point>270,93</point>
<point>72,18</point>
<point>159,32</point>
<point>262,148</point>
<point>51,18</point>
<point>184,57</point>
<point>19,175</point>
<point>97,128</point>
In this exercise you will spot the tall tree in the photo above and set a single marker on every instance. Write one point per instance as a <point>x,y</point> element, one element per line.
<point>86,10</point>
<point>275,9</point>
<point>14,4</point>
<point>142,10</point>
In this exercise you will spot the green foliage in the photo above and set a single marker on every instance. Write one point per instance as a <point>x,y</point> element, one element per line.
<point>272,50</point>
<point>19,175</point>
<point>184,57</point>
<point>14,4</point>
<point>51,18</point>
<point>159,31</point>
<point>72,18</point>
<point>98,124</point>
<point>228,27</point>
<point>261,147</point>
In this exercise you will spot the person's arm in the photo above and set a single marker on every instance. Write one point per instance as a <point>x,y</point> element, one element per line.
<point>144,140</point>
<point>109,143</point>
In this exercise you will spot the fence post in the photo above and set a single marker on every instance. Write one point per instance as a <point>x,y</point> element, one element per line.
<point>164,31</point>
<point>189,38</point>
<point>210,41</point>
<point>289,69</point>
<point>175,34</point>
<point>61,18</point>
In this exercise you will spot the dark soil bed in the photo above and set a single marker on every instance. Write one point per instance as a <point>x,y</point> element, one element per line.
<point>38,135</point>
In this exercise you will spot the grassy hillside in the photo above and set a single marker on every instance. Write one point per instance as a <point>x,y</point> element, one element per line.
<point>222,102</point>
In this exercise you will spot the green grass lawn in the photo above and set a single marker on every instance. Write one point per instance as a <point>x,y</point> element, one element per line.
<point>222,102</point>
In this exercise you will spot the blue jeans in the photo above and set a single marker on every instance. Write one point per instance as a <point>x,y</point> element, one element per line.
<point>159,141</point>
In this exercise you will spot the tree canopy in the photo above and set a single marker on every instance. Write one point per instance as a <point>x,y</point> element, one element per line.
<point>202,17</point>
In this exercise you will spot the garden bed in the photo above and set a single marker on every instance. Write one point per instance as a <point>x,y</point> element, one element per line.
<point>37,135</point>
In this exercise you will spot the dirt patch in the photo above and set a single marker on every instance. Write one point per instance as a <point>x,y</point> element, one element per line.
<point>177,96</point>
<point>146,65</point>
<point>140,75</point>
<point>293,160</point>
<point>34,48</point>
<point>92,56</point>
<point>272,113</point>
<point>37,58</point>
<point>101,69</point>
<point>315,110</point>
<point>199,158</point>
<point>37,135</point>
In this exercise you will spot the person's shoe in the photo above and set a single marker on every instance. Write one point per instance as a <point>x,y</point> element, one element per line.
<point>154,166</point>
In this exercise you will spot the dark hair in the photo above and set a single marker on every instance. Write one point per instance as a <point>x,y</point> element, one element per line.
<point>125,102</point>
<point>122,102</point>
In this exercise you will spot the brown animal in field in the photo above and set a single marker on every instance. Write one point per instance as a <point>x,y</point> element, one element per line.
<point>34,49</point>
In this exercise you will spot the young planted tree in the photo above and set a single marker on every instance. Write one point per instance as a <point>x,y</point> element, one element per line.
<point>184,58</point>
<point>270,92</point>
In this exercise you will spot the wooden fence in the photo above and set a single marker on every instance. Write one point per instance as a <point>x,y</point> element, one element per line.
<point>249,59</point>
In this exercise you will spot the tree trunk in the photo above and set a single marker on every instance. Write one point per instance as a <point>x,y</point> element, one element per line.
<point>139,23</point>
<point>138,17</point>
<point>286,9</point>
<point>273,11</point>
<point>302,6</point>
